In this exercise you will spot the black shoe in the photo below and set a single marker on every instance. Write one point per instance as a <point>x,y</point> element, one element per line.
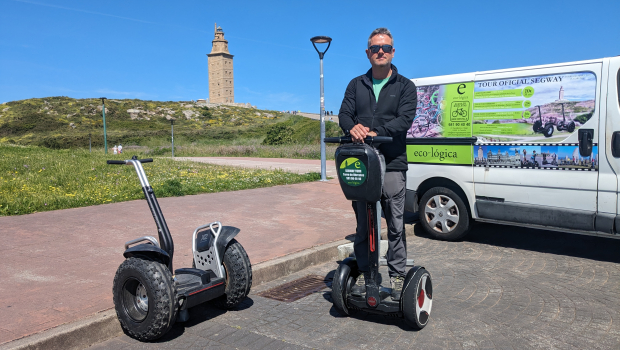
<point>397,287</point>
<point>359,289</point>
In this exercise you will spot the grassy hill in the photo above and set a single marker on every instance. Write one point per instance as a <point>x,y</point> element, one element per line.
<point>63,122</point>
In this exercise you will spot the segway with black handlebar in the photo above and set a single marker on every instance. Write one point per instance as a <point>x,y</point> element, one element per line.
<point>361,171</point>
<point>149,295</point>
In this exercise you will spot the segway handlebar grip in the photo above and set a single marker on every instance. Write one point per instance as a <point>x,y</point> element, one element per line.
<point>378,139</point>
<point>334,139</point>
<point>145,160</point>
<point>368,139</point>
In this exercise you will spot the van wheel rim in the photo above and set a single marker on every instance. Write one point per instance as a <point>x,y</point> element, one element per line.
<point>441,213</point>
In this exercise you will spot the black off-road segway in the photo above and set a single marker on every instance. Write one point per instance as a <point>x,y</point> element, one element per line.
<point>360,172</point>
<point>563,125</point>
<point>547,130</point>
<point>149,296</point>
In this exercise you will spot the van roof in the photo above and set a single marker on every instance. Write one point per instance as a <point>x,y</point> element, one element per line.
<point>470,76</point>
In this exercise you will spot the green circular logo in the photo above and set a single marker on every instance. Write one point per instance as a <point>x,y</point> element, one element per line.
<point>353,171</point>
<point>528,92</point>
<point>527,114</point>
<point>527,103</point>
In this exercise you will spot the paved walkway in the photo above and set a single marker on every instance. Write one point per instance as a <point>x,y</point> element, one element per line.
<point>58,266</point>
<point>502,288</point>
<point>300,166</point>
<point>333,118</point>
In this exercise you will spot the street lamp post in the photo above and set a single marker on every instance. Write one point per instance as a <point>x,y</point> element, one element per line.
<point>172,126</point>
<point>105,136</point>
<point>322,40</point>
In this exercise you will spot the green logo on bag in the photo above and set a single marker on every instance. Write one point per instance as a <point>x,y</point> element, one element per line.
<point>353,171</point>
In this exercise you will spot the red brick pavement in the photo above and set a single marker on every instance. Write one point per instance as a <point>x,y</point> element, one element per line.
<point>58,266</point>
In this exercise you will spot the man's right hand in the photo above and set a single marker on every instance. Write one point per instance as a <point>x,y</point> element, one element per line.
<point>359,133</point>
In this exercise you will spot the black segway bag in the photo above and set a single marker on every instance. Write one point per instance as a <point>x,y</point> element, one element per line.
<point>360,171</point>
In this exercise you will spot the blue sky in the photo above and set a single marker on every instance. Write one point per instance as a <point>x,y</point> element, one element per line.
<point>157,50</point>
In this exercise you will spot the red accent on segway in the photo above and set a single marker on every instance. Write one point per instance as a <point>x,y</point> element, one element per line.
<point>371,231</point>
<point>421,298</point>
<point>198,291</point>
<point>372,301</point>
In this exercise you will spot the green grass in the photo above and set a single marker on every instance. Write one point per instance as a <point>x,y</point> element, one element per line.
<point>34,179</point>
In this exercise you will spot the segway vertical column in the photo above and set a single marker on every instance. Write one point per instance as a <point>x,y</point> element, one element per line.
<point>361,171</point>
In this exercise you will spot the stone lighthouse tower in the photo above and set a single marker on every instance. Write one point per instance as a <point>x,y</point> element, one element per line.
<point>221,81</point>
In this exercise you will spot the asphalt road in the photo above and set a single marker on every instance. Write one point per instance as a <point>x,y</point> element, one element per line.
<point>500,288</point>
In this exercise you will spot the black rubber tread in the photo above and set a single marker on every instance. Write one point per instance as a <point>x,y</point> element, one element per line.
<point>548,130</point>
<point>161,289</point>
<point>464,221</point>
<point>238,276</point>
<point>338,294</point>
<point>410,297</point>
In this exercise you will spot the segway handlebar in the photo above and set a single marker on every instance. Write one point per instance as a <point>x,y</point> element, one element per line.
<point>145,160</point>
<point>368,139</point>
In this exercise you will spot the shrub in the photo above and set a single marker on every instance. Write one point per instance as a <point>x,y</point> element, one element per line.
<point>279,134</point>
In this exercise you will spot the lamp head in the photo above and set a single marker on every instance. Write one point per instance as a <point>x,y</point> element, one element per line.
<point>321,40</point>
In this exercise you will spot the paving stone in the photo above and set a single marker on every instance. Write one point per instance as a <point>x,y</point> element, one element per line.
<point>501,288</point>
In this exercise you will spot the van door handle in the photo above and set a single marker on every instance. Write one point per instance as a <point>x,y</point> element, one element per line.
<point>586,137</point>
<point>615,144</point>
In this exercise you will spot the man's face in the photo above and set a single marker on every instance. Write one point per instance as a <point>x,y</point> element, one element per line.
<point>380,59</point>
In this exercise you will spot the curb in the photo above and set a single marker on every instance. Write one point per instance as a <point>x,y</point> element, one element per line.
<point>104,325</point>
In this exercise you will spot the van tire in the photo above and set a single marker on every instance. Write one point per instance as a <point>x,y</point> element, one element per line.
<point>451,222</point>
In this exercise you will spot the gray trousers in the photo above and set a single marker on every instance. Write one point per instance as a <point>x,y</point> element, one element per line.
<point>393,205</point>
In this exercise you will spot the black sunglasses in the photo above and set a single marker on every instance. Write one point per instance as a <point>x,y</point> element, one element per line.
<point>386,48</point>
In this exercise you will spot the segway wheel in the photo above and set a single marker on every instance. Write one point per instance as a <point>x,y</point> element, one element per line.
<point>144,296</point>
<point>571,127</point>
<point>238,276</point>
<point>548,130</point>
<point>341,285</point>
<point>537,126</point>
<point>417,298</point>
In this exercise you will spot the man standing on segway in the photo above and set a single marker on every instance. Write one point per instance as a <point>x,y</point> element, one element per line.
<point>382,103</point>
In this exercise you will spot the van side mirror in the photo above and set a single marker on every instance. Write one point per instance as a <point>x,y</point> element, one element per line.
<point>586,137</point>
<point>615,144</point>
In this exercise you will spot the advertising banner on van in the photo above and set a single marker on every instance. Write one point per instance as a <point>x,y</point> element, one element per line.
<point>443,111</point>
<point>544,108</point>
<point>438,154</point>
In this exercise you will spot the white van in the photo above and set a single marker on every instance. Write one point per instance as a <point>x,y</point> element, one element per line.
<point>533,146</point>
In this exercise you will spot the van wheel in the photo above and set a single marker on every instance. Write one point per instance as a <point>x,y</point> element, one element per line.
<point>443,214</point>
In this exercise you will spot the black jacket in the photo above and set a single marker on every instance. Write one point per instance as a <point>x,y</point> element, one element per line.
<point>391,116</point>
